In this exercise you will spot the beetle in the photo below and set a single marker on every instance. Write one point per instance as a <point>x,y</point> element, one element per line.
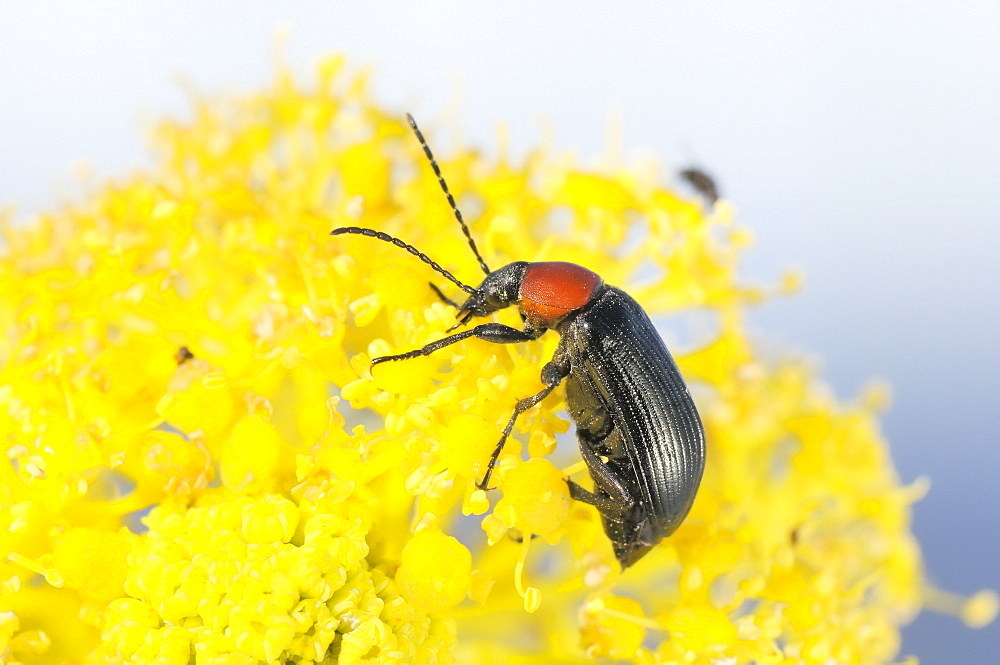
<point>640,434</point>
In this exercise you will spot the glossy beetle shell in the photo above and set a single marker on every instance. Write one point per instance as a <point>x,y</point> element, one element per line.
<point>632,409</point>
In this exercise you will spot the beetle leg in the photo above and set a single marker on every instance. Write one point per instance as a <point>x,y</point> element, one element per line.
<point>603,504</point>
<point>522,406</point>
<point>491,332</point>
<point>462,320</point>
<point>553,373</point>
<point>440,294</point>
<point>619,499</point>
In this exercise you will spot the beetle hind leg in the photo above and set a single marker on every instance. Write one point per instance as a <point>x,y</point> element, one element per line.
<point>614,498</point>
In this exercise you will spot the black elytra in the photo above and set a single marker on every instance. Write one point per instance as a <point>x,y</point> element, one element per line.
<point>639,431</point>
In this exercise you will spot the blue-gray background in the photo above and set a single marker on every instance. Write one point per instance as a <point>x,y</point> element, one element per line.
<point>861,143</point>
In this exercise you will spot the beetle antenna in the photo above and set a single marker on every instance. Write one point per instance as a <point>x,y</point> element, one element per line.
<point>444,186</point>
<point>385,237</point>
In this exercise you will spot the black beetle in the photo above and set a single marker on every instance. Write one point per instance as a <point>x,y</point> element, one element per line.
<point>639,431</point>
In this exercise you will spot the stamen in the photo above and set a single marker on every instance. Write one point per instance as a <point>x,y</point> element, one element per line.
<point>531,595</point>
<point>597,605</point>
<point>574,468</point>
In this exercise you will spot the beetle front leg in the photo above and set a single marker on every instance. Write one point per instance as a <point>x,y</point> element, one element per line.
<point>448,301</point>
<point>441,296</point>
<point>497,333</point>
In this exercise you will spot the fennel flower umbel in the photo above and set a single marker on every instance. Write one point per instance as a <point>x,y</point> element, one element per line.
<point>203,469</point>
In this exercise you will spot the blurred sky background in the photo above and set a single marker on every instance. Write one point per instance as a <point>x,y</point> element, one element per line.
<point>861,144</point>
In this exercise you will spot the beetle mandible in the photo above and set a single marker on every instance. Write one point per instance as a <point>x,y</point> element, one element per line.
<point>639,431</point>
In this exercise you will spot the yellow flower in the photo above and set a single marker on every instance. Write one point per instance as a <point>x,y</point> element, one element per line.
<point>424,581</point>
<point>186,353</point>
<point>535,498</point>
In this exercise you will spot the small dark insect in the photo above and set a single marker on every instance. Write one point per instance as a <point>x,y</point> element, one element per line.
<point>183,355</point>
<point>639,432</point>
<point>703,183</point>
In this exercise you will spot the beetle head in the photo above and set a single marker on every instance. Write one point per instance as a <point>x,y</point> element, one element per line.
<point>498,291</point>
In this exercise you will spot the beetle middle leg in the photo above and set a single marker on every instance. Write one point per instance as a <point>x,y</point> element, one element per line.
<point>553,373</point>
<point>521,406</point>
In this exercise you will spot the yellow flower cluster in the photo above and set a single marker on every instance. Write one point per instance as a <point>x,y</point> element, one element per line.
<point>269,579</point>
<point>203,469</point>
